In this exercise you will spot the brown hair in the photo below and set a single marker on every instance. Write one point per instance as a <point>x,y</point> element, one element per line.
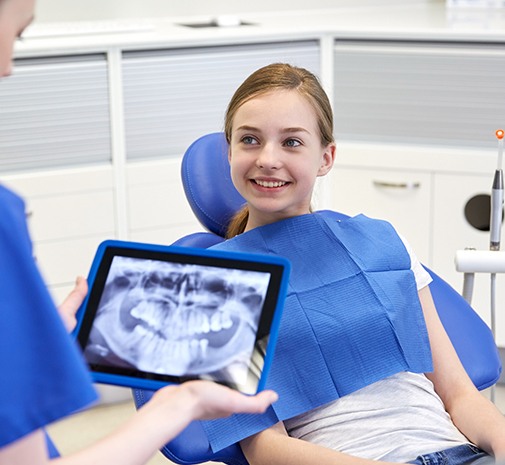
<point>279,76</point>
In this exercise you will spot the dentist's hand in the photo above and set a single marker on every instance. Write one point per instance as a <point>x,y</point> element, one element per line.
<point>211,400</point>
<point>73,301</point>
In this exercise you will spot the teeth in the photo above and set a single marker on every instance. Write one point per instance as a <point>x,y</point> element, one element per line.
<point>145,312</point>
<point>205,328</point>
<point>186,324</point>
<point>215,322</point>
<point>204,343</point>
<point>194,348</point>
<point>141,331</point>
<point>270,183</point>
<point>226,321</point>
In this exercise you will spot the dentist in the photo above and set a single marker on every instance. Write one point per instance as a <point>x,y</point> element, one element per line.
<point>43,377</point>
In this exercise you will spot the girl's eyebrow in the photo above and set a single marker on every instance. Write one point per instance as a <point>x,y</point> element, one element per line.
<point>284,130</point>
<point>290,130</point>
<point>247,128</point>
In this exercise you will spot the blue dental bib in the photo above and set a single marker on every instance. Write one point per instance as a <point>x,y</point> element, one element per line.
<point>352,315</point>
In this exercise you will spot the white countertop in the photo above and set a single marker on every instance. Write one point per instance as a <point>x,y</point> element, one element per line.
<point>425,22</point>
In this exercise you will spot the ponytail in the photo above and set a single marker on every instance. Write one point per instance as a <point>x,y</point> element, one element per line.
<point>238,223</point>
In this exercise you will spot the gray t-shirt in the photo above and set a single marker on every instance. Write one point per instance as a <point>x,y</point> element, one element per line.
<point>395,419</point>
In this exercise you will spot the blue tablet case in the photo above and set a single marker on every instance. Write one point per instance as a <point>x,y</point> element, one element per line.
<point>159,314</point>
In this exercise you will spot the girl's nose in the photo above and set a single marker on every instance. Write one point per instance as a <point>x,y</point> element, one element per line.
<point>268,158</point>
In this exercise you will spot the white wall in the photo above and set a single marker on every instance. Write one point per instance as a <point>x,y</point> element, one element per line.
<point>65,10</point>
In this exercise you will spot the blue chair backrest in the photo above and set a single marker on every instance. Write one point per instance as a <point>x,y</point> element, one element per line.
<point>214,200</point>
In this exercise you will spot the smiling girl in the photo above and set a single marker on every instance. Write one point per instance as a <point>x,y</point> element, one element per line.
<point>363,366</point>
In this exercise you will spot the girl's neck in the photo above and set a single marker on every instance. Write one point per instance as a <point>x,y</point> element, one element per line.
<point>255,221</point>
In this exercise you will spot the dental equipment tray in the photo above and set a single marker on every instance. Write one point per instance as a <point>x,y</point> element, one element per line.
<point>156,315</point>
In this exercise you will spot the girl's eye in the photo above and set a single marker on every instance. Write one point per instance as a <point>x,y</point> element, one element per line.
<point>292,143</point>
<point>249,140</point>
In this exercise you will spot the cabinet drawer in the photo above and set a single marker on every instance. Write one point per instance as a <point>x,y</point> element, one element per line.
<point>65,204</point>
<point>61,262</point>
<point>402,198</point>
<point>71,215</point>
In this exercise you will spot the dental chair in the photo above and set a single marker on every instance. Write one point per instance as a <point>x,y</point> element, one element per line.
<point>214,201</point>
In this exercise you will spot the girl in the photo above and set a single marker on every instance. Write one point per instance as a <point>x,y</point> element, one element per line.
<point>364,368</point>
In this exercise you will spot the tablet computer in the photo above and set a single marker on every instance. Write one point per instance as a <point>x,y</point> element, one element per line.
<point>165,314</point>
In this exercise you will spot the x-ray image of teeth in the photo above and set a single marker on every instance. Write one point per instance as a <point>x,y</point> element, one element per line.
<point>178,319</point>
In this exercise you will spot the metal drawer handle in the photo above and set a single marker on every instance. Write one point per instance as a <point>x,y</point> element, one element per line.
<point>397,185</point>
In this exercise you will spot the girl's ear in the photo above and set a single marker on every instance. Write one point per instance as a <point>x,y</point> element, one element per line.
<point>229,154</point>
<point>328,159</point>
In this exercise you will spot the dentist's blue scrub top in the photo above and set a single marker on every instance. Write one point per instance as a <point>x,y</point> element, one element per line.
<point>42,375</point>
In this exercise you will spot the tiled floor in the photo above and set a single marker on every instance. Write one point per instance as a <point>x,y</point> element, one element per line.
<point>85,428</point>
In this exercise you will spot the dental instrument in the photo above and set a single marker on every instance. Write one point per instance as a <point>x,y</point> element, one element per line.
<point>471,261</point>
<point>497,197</point>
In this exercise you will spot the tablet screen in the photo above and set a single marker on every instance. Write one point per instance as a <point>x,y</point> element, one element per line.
<point>159,314</point>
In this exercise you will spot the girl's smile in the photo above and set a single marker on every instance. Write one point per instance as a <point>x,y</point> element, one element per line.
<point>269,184</point>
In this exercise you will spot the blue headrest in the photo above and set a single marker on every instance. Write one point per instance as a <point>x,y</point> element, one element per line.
<point>207,183</point>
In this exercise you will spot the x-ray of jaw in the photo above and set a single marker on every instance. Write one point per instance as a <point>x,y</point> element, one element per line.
<point>178,319</point>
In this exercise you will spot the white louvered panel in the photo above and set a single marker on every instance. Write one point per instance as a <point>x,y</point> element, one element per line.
<point>172,97</point>
<point>55,113</point>
<point>433,94</point>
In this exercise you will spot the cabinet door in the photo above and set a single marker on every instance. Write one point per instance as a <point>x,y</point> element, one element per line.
<point>172,97</point>
<point>54,112</point>
<point>452,231</point>
<point>435,94</point>
<point>402,198</point>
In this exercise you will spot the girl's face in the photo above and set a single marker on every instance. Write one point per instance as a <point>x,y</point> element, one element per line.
<point>276,156</point>
<point>15,16</point>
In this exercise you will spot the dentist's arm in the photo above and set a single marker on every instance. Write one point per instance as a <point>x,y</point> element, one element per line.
<point>168,412</point>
